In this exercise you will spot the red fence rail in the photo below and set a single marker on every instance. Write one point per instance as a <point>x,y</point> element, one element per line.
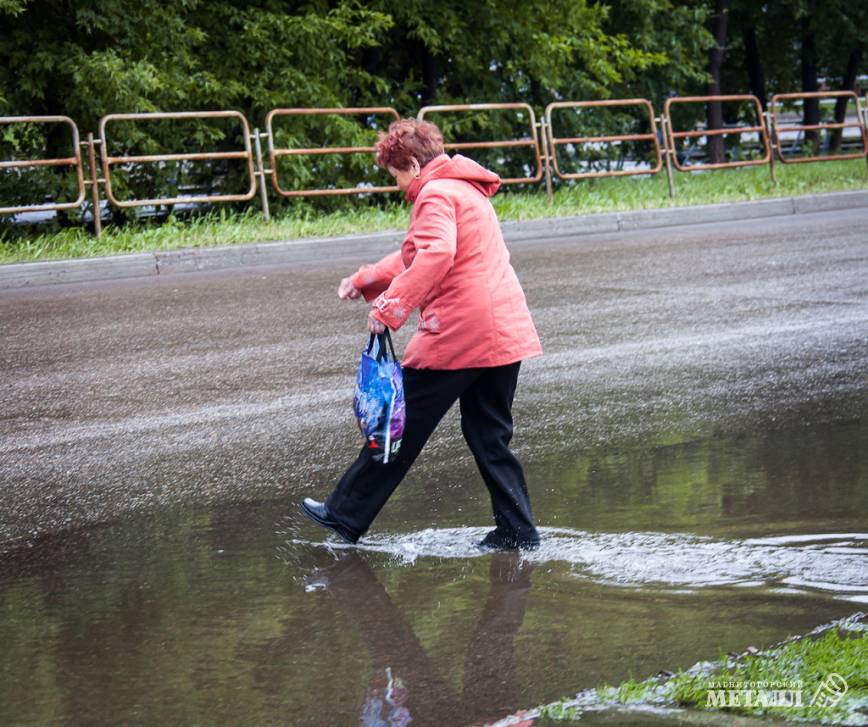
<point>782,98</point>
<point>673,135</point>
<point>275,153</point>
<point>70,161</point>
<point>539,138</point>
<point>532,140</point>
<point>554,141</point>
<point>109,161</point>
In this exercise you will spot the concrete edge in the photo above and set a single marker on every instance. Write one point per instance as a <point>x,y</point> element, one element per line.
<point>77,270</point>
<point>23,275</point>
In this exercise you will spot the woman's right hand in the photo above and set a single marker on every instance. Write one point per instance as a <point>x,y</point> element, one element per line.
<point>347,290</point>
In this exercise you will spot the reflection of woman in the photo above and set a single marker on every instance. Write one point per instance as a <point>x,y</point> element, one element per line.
<point>389,697</point>
<point>407,683</point>
<point>473,333</point>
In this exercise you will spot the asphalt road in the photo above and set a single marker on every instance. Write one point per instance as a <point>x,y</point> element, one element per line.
<point>236,385</point>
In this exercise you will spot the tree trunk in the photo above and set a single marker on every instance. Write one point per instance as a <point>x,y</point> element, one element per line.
<point>811,109</point>
<point>715,61</point>
<point>430,76</point>
<point>849,84</point>
<point>371,61</point>
<point>755,66</point>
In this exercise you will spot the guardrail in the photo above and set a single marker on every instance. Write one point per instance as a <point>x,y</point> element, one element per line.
<point>540,139</point>
<point>274,153</point>
<point>108,161</point>
<point>555,141</point>
<point>71,161</point>
<point>673,135</point>
<point>531,141</point>
<point>781,98</point>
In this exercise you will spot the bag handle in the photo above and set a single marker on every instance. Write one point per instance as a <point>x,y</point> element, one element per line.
<point>383,339</point>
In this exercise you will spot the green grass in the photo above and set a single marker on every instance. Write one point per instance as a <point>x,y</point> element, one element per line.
<point>804,661</point>
<point>588,197</point>
<point>809,661</point>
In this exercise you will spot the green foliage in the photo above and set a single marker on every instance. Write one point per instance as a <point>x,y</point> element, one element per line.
<point>560,712</point>
<point>805,661</point>
<point>840,28</point>
<point>12,7</point>
<point>88,59</point>
<point>98,58</point>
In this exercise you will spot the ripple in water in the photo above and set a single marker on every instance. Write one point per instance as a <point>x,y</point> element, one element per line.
<point>836,564</point>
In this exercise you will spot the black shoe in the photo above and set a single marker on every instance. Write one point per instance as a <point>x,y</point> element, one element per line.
<point>317,512</point>
<point>497,540</point>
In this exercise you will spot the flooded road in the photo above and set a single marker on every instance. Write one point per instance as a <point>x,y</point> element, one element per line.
<point>695,442</point>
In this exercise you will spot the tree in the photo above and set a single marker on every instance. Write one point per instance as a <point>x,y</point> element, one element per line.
<point>719,22</point>
<point>798,44</point>
<point>841,30</point>
<point>87,58</point>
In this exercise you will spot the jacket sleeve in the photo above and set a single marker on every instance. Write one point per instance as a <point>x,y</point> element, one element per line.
<point>372,280</point>
<point>434,237</point>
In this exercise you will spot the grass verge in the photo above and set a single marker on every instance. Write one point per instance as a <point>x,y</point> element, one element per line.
<point>788,681</point>
<point>586,197</point>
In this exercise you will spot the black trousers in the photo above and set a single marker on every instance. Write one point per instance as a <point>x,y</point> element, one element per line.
<point>485,396</point>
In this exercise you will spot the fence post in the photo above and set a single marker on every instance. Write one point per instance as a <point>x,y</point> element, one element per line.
<point>667,150</point>
<point>94,185</point>
<point>544,143</point>
<point>260,172</point>
<point>864,123</point>
<point>772,146</point>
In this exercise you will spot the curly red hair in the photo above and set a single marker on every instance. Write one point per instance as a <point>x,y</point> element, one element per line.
<point>407,139</point>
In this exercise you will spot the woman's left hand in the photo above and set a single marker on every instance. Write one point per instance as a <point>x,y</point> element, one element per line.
<point>374,324</point>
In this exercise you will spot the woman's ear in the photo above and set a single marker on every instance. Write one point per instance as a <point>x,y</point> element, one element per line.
<point>417,169</point>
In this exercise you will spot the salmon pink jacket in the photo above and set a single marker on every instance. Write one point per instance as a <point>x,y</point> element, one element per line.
<point>454,266</point>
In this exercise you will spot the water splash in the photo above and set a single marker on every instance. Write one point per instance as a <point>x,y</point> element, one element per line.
<point>676,562</point>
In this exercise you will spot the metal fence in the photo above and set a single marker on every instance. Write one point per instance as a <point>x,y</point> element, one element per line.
<point>274,153</point>
<point>674,135</point>
<point>128,160</point>
<point>538,136</point>
<point>530,141</point>
<point>780,99</point>
<point>69,161</point>
<point>578,141</point>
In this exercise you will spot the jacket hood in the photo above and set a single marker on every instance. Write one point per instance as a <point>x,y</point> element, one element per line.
<point>456,167</point>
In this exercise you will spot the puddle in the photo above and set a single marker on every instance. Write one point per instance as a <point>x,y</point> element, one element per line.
<point>655,556</point>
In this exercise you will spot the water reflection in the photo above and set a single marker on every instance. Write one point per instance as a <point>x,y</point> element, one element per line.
<point>407,684</point>
<point>655,556</point>
<point>793,477</point>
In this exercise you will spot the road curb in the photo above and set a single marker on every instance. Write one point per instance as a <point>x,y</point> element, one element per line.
<point>23,275</point>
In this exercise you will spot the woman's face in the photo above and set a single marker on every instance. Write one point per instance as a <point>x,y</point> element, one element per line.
<point>404,177</point>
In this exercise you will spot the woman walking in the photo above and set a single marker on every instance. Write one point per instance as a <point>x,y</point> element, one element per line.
<point>474,331</point>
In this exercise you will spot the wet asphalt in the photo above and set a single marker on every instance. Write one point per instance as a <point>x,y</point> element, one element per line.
<point>235,386</point>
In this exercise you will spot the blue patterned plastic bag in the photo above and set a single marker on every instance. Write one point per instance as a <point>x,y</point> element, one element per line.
<point>379,398</point>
